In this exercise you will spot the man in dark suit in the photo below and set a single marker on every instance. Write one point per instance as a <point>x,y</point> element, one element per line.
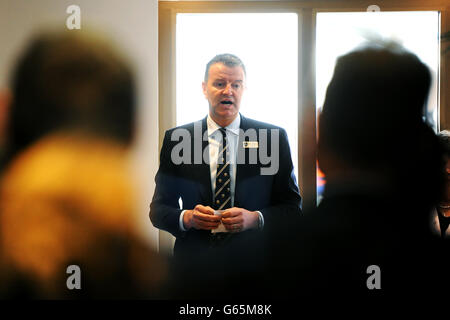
<point>234,177</point>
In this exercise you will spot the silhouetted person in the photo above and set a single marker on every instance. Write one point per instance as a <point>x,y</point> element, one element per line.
<point>382,165</point>
<point>66,197</point>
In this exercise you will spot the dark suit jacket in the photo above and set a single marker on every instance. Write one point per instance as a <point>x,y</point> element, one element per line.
<point>276,196</point>
<point>354,228</point>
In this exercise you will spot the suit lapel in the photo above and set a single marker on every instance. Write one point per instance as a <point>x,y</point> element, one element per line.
<point>244,168</point>
<point>203,172</point>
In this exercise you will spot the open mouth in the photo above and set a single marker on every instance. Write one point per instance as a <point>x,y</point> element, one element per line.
<point>226,102</point>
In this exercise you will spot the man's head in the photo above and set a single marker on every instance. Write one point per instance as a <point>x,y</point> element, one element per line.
<point>223,87</point>
<point>372,119</point>
<point>375,94</point>
<point>68,80</point>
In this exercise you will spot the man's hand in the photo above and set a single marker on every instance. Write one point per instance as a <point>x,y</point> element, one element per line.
<point>201,218</point>
<point>239,219</point>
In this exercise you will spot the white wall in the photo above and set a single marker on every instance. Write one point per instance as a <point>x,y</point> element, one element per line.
<point>132,25</point>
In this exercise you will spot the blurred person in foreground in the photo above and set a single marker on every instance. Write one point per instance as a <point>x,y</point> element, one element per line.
<point>382,165</point>
<point>441,213</point>
<point>66,196</point>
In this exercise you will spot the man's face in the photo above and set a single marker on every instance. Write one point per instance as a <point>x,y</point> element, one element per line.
<point>224,92</point>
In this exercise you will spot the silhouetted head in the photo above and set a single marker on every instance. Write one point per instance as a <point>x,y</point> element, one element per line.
<point>70,80</point>
<point>373,118</point>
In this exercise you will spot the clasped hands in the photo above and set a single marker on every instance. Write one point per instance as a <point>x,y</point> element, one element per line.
<point>234,219</point>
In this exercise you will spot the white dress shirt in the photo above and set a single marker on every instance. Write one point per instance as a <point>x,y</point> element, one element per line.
<point>214,140</point>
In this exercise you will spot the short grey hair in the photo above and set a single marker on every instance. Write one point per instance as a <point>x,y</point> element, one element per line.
<point>228,59</point>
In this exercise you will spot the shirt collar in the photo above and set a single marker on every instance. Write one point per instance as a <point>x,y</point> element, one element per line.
<point>233,127</point>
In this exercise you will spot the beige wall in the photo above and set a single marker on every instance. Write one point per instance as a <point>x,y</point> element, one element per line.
<point>133,26</point>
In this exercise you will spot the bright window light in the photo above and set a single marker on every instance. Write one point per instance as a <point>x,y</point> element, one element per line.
<point>340,32</point>
<point>267,43</point>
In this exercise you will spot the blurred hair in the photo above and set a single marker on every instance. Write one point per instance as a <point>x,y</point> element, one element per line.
<point>70,80</point>
<point>228,59</point>
<point>373,118</point>
<point>68,197</point>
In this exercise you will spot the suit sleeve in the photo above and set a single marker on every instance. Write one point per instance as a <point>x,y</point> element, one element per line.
<point>164,208</point>
<point>285,201</point>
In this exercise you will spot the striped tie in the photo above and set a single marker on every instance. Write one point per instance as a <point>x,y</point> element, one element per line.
<point>222,195</point>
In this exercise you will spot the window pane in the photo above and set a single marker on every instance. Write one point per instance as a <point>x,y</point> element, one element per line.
<point>340,32</point>
<point>266,43</point>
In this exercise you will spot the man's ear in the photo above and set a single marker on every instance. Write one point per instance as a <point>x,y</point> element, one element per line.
<point>204,88</point>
